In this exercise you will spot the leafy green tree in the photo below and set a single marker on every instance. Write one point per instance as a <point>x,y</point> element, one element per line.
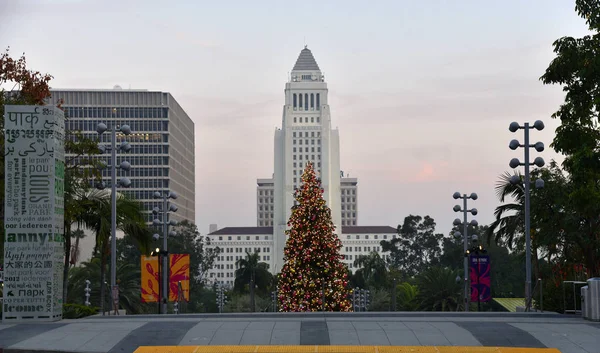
<point>373,270</point>
<point>252,274</point>
<point>416,247</point>
<point>128,275</point>
<point>576,68</point>
<point>97,218</point>
<point>407,296</point>
<point>439,290</point>
<point>380,300</point>
<point>187,241</point>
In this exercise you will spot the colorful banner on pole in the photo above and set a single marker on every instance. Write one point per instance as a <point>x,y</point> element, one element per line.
<point>150,277</point>
<point>480,278</point>
<point>179,265</point>
<point>34,213</point>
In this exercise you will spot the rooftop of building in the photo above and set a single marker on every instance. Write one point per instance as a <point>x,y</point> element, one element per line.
<point>269,230</point>
<point>306,61</point>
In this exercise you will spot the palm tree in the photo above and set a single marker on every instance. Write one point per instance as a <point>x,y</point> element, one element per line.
<point>407,297</point>
<point>510,216</point>
<point>250,271</point>
<point>78,234</point>
<point>98,219</point>
<point>439,290</point>
<point>373,270</point>
<point>129,284</point>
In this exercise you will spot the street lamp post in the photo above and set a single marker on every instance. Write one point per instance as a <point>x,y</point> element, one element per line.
<point>514,163</point>
<point>457,208</point>
<point>165,223</point>
<point>124,182</point>
<point>477,250</point>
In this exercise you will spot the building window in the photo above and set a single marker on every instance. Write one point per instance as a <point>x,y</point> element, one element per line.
<point>318,101</point>
<point>294,119</point>
<point>306,102</point>
<point>300,102</point>
<point>312,101</point>
<point>295,103</point>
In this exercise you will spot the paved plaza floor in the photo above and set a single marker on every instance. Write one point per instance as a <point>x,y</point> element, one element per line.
<point>265,332</point>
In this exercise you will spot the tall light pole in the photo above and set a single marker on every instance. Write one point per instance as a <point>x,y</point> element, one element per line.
<point>166,209</point>
<point>457,195</point>
<point>124,182</point>
<point>514,163</point>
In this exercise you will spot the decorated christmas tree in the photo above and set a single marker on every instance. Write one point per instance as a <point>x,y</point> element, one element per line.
<point>313,277</point>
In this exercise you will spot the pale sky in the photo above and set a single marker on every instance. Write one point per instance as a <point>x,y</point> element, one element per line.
<point>421,91</point>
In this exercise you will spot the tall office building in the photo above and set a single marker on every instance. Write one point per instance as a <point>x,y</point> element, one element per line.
<point>162,141</point>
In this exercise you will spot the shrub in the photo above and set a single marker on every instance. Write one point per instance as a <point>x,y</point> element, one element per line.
<point>78,311</point>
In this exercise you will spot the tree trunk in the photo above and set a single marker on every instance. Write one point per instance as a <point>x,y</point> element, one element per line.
<point>102,286</point>
<point>67,262</point>
<point>252,306</point>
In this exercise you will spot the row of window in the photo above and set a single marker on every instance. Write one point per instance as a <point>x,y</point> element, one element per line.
<point>302,101</point>
<point>350,207</point>
<point>348,199</point>
<point>360,248</point>
<point>348,191</point>
<point>305,119</point>
<point>141,172</point>
<point>239,237</point>
<point>266,207</point>
<point>349,222</point>
<point>306,157</point>
<point>142,160</point>
<point>265,215</point>
<point>265,223</point>
<point>312,134</point>
<point>265,192</point>
<point>305,149</point>
<point>348,215</point>
<point>122,112</point>
<point>264,200</point>
<point>312,142</point>
<point>136,126</point>
<point>300,165</point>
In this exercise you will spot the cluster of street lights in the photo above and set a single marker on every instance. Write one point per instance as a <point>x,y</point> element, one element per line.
<point>221,298</point>
<point>124,182</point>
<point>516,180</point>
<point>525,184</point>
<point>465,235</point>
<point>166,209</point>
<point>361,298</point>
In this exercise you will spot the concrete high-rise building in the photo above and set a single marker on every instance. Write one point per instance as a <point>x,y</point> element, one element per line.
<point>162,141</point>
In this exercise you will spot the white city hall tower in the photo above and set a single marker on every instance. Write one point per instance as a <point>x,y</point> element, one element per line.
<point>305,136</point>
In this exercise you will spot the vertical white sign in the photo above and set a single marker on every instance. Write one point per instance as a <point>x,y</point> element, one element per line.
<point>34,213</point>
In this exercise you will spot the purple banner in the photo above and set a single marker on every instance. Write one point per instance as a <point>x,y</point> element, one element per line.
<point>480,278</point>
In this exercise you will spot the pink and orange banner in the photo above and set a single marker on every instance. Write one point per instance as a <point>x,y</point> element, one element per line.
<point>179,265</point>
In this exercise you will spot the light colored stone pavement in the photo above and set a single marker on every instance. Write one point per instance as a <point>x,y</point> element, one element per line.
<point>126,333</point>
